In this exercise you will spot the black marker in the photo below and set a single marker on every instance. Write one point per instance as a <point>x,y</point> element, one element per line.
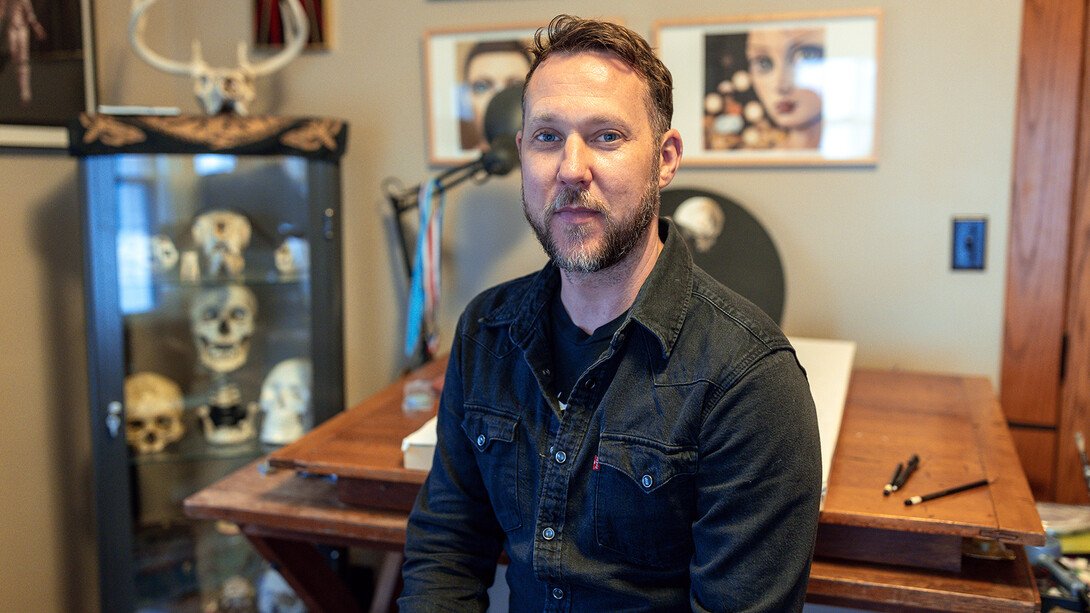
<point>907,472</point>
<point>893,480</point>
<point>953,490</point>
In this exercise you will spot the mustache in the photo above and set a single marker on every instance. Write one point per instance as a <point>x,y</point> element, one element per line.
<point>572,196</point>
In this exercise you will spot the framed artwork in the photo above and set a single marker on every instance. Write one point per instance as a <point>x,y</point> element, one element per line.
<point>47,70</point>
<point>795,89</point>
<point>269,24</point>
<point>464,69</point>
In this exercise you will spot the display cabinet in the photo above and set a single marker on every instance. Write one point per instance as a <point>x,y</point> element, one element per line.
<point>215,325</point>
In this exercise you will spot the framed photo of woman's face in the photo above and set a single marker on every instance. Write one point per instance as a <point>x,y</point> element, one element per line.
<point>796,89</point>
<point>465,69</point>
<point>47,75</point>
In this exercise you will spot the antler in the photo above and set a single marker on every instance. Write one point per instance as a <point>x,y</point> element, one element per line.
<point>220,88</point>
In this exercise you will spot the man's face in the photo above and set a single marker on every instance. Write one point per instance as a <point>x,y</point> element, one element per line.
<point>591,169</point>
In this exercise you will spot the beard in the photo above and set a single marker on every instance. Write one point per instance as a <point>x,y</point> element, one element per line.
<point>620,237</point>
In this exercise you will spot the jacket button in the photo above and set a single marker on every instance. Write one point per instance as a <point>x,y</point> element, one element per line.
<point>561,457</point>
<point>481,440</point>
<point>590,384</point>
<point>647,481</point>
<point>558,593</point>
<point>548,534</point>
<point>545,372</point>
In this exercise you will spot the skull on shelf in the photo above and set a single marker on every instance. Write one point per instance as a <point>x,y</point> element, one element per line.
<point>222,322</point>
<point>222,235</point>
<point>701,220</point>
<point>285,402</point>
<point>274,595</point>
<point>225,419</point>
<point>153,412</point>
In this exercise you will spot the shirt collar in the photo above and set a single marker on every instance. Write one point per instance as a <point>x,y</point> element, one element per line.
<point>661,305</point>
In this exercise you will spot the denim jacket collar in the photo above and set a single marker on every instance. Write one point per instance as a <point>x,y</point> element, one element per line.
<point>656,307</point>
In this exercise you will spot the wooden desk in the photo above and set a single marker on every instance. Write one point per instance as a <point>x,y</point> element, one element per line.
<point>873,552</point>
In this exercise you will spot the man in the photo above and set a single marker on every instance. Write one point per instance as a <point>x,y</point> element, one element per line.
<point>632,435</point>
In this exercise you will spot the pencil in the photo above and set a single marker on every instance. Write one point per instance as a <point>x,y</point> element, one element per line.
<point>946,492</point>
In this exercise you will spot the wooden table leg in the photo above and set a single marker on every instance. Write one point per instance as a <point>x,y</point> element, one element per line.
<point>386,583</point>
<point>308,573</point>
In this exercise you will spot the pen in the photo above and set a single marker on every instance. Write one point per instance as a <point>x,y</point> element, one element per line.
<point>909,469</point>
<point>947,492</point>
<point>892,480</point>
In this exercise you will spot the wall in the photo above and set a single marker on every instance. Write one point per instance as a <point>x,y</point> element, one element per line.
<point>866,249</point>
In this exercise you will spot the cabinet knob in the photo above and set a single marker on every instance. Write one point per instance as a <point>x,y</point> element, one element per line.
<point>113,418</point>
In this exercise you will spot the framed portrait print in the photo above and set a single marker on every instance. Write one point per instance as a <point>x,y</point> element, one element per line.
<point>269,24</point>
<point>464,69</point>
<point>47,75</point>
<point>796,89</point>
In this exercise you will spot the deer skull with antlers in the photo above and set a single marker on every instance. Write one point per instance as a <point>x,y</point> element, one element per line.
<point>221,90</point>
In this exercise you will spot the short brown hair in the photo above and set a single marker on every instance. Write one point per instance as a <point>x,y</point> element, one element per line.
<point>568,34</point>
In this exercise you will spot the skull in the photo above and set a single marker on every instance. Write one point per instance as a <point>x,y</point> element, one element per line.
<point>222,235</point>
<point>701,220</point>
<point>225,420</point>
<point>153,412</point>
<point>224,90</point>
<point>222,322</point>
<point>163,253</point>
<point>274,595</point>
<point>285,401</point>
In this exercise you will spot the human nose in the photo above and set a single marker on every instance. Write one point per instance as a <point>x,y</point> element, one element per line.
<point>575,163</point>
<point>786,79</point>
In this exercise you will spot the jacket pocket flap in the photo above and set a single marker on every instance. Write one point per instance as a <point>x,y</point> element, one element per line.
<point>482,428</point>
<point>650,465</point>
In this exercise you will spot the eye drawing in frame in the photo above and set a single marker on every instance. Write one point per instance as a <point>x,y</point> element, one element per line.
<point>46,70</point>
<point>465,68</point>
<point>775,90</point>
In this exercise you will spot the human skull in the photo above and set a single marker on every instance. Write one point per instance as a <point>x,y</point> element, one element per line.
<point>222,235</point>
<point>285,402</point>
<point>163,253</point>
<point>274,595</point>
<point>222,322</point>
<point>153,412</point>
<point>701,220</point>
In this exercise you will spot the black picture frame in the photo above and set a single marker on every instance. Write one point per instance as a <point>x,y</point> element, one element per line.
<point>41,94</point>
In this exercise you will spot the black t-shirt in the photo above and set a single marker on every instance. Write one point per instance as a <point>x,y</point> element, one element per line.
<point>574,350</point>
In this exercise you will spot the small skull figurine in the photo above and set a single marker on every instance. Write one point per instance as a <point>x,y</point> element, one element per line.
<point>285,401</point>
<point>222,322</point>
<point>222,235</point>
<point>153,412</point>
<point>274,595</point>
<point>225,420</point>
<point>701,220</point>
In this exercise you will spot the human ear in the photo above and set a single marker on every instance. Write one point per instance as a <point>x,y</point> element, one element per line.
<point>669,156</point>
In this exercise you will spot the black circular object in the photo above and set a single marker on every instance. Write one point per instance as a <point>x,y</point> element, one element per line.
<point>742,256</point>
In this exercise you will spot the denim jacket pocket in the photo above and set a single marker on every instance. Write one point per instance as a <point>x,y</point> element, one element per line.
<point>644,500</point>
<point>492,435</point>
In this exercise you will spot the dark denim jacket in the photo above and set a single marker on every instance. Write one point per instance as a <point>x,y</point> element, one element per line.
<point>684,474</point>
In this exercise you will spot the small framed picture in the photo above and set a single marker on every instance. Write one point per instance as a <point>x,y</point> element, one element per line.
<point>47,70</point>
<point>795,89</point>
<point>269,24</point>
<point>464,69</point>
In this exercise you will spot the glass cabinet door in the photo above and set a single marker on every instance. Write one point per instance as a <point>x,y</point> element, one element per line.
<point>213,287</point>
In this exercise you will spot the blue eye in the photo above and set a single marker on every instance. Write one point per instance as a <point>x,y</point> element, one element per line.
<point>610,137</point>
<point>547,137</point>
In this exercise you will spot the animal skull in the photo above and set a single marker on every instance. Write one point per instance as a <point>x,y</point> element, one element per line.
<point>222,90</point>
<point>274,595</point>
<point>222,235</point>
<point>701,220</point>
<point>225,420</point>
<point>222,322</point>
<point>285,402</point>
<point>153,412</point>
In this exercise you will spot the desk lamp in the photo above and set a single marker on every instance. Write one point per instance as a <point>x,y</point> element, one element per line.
<point>502,121</point>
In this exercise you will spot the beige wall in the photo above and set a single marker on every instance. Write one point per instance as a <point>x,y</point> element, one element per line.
<point>866,249</point>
